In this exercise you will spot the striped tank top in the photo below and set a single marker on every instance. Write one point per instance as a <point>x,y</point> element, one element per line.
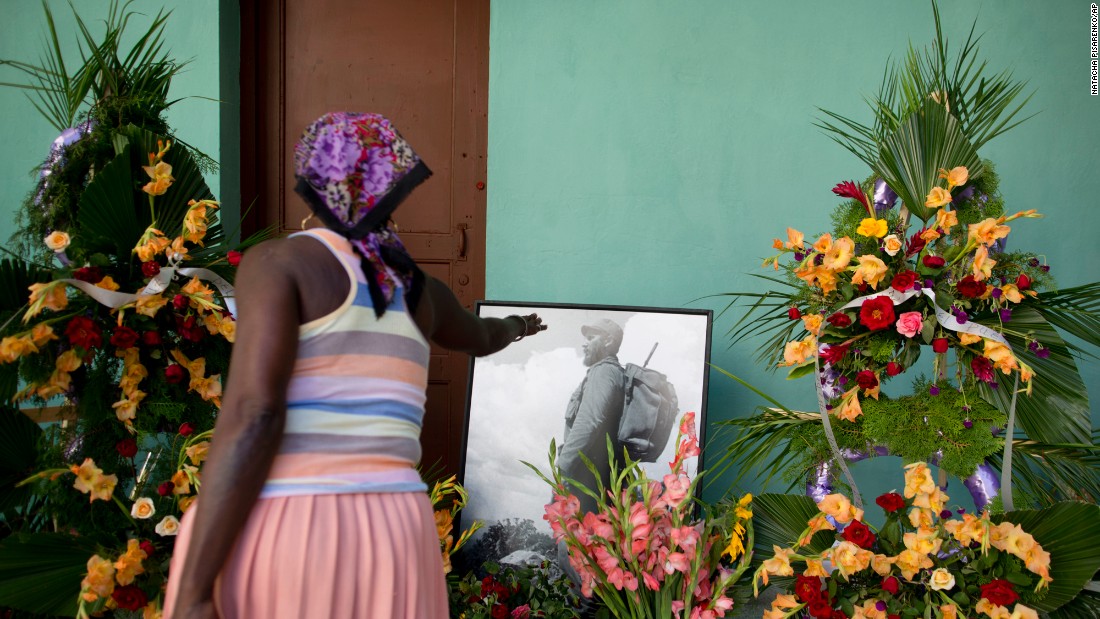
<point>355,401</point>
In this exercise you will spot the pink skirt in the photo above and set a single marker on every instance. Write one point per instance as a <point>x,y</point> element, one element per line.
<point>371,555</point>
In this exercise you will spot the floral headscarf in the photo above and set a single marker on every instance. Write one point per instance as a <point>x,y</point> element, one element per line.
<point>353,170</point>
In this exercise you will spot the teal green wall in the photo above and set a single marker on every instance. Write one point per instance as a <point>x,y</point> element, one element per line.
<point>25,136</point>
<point>645,152</point>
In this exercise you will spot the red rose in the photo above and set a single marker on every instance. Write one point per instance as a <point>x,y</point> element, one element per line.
<point>890,502</point>
<point>129,597</point>
<point>999,592</point>
<point>1023,282</point>
<point>187,429</point>
<point>166,488</point>
<point>839,320</point>
<point>877,313</point>
<point>500,611</point>
<point>179,301</point>
<point>859,534</point>
<point>834,353</point>
<point>794,314</point>
<point>970,287</point>
<point>84,332</point>
<point>233,257</point>
<point>807,588</point>
<point>151,338</point>
<point>174,373</point>
<point>939,345</point>
<point>891,585</point>
<point>893,616</point>
<point>866,380</point>
<point>124,337</point>
<point>127,447</point>
<point>820,608</point>
<point>934,262</point>
<point>92,275</point>
<point>903,281</point>
<point>147,547</point>
<point>893,369</point>
<point>150,268</point>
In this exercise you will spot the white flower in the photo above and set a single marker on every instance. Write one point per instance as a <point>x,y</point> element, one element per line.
<point>891,245</point>
<point>168,526</point>
<point>143,509</point>
<point>942,580</point>
<point>57,240</point>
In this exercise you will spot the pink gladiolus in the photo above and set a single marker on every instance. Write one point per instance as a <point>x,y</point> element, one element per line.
<point>677,562</point>
<point>677,607</point>
<point>650,582</point>
<point>676,488</point>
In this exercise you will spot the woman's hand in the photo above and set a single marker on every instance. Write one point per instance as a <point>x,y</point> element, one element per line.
<point>532,325</point>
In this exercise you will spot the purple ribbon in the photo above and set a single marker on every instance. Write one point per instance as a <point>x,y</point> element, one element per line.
<point>68,137</point>
<point>884,196</point>
<point>983,484</point>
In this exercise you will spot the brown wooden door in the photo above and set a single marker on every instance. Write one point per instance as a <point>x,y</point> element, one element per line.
<point>424,65</point>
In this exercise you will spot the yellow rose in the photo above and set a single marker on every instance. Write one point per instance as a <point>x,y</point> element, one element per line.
<point>949,611</point>
<point>58,240</point>
<point>942,580</point>
<point>143,508</point>
<point>168,526</point>
<point>937,197</point>
<point>871,227</point>
<point>892,245</point>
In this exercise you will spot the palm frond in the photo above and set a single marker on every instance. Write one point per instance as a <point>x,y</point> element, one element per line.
<point>41,572</point>
<point>910,157</point>
<point>1070,532</point>
<point>1074,310</point>
<point>1058,410</point>
<point>18,455</point>
<point>779,520</point>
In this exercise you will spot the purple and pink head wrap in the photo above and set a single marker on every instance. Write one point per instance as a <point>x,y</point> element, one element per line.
<point>353,170</point>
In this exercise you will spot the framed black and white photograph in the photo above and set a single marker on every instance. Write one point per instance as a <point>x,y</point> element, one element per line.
<point>597,371</point>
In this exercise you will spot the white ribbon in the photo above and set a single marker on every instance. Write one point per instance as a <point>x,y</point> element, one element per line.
<point>950,322</point>
<point>156,285</point>
<point>946,319</point>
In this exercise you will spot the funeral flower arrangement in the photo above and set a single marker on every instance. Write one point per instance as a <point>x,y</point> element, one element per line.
<point>119,313</point>
<point>645,553</point>
<point>923,562</point>
<point>919,262</point>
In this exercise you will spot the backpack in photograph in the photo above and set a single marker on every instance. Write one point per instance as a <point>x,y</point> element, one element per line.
<point>649,411</point>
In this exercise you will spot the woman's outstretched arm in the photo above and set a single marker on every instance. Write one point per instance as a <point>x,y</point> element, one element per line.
<point>455,328</point>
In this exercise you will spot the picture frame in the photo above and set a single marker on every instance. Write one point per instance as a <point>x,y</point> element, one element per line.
<point>518,398</point>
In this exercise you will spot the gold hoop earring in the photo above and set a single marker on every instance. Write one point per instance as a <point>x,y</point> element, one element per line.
<point>305,220</point>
